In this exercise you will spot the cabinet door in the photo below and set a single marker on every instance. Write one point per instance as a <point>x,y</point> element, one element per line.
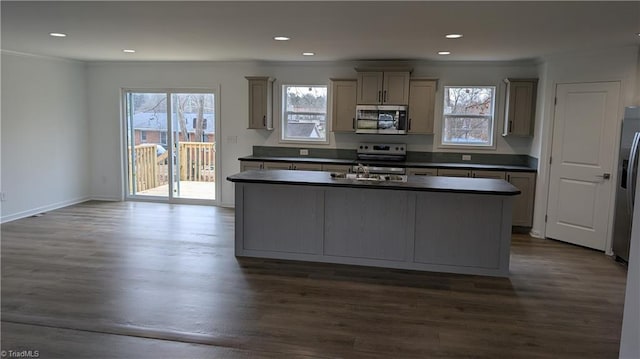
<point>343,113</point>
<point>250,165</point>
<point>306,166</point>
<point>277,166</point>
<point>520,107</point>
<point>422,171</point>
<point>260,98</point>
<point>395,89</point>
<point>337,168</point>
<point>488,174</point>
<point>523,203</point>
<point>422,97</point>
<point>369,90</point>
<point>451,172</point>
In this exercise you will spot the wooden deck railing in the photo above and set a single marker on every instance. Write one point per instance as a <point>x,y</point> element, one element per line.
<point>197,163</point>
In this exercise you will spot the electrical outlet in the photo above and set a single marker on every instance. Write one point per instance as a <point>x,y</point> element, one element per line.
<point>466,157</point>
<point>232,139</point>
<point>304,152</point>
<point>3,196</point>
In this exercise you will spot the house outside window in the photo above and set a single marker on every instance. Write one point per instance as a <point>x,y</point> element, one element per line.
<point>143,136</point>
<point>468,116</point>
<point>304,113</point>
<point>163,138</point>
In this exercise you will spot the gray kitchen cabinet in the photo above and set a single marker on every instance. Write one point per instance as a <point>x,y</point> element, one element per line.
<point>250,165</point>
<point>422,98</point>
<point>523,203</point>
<point>453,172</point>
<point>260,102</point>
<point>306,166</point>
<point>292,166</point>
<point>387,88</point>
<point>414,171</point>
<point>488,174</point>
<point>343,96</point>
<point>520,107</point>
<point>277,165</point>
<point>337,168</point>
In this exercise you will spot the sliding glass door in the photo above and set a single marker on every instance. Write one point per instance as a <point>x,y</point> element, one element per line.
<point>170,144</point>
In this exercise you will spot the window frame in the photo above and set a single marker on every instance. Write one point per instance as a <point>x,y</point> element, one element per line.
<point>493,118</point>
<point>284,115</point>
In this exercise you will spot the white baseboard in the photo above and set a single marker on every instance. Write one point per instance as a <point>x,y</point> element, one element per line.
<point>49,207</point>
<point>107,199</point>
<point>535,233</point>
<point>228,205</point>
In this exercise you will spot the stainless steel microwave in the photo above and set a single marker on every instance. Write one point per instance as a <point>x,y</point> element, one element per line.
<point>390,120</point>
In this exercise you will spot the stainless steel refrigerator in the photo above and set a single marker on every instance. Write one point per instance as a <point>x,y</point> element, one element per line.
<point>626,186</point>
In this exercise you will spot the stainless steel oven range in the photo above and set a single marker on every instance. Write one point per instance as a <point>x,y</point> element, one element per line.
<point>381,158</point>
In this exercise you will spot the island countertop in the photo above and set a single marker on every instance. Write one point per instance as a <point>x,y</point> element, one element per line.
<point>414,183</point>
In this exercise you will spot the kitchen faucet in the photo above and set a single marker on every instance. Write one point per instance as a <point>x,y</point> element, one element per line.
<point>365,171</point>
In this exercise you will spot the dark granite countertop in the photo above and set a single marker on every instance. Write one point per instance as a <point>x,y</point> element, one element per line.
<point>341,161</point>
<point>414,183</point>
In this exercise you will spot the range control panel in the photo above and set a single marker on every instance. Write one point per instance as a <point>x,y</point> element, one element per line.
<point>398,149</point>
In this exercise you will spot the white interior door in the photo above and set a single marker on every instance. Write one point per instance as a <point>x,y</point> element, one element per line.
<point>585,130</point>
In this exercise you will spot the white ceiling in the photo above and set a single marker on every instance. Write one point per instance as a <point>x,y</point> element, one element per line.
<point>334,30</point>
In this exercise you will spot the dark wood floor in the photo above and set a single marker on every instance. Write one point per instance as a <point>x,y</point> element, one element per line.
<point>145,280</point>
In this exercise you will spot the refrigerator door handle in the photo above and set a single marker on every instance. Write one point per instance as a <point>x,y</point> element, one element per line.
<point>633,153</point>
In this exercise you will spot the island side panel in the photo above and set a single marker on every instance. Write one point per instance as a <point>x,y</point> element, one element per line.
<point>281,218</point>
<point>459,230</point>
<point>367,223</point>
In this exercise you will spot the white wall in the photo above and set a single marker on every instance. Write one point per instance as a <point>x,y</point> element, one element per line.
<point>617,64</point>
<point>107,79</point>
<point>45,134</point>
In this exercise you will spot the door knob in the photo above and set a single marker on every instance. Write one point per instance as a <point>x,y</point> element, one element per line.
<point>605,176</point>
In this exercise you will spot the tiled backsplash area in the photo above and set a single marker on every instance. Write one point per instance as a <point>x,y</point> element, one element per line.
<point>434,157</point>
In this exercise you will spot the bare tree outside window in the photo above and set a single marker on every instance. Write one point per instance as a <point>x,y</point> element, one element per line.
<point>468,115</point>
<point>304,115</point>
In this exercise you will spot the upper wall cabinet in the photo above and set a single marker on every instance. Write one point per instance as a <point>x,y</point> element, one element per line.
<point>260,102</point>
<point>422,98</point>
<point>520,107</point>
<point>383,87</point>
<point>343,97</point>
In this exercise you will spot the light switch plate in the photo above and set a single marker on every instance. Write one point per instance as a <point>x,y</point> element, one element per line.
<point>466,157</point>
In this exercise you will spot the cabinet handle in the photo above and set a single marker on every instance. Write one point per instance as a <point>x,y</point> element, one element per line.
<point>409,126</point>
<point>385,96</point>
<point>510,126</point>
<point>353,123</point>
<point>264,120</point>
<point>508,178</point>
<point>379,96</point>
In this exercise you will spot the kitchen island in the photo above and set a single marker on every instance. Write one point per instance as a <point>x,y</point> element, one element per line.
<point>445,224</point>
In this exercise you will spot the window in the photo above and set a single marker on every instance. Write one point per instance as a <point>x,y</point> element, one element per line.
<point>304,113</point>
<point>163,137</point>
<point>143,136</point>
<point>468,116</point>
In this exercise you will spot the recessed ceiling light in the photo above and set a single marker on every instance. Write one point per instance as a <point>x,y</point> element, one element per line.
<point>444,52</point>
<point>453,36</point>
<point>281,38</point>
<point>308,53</point>
<point>129,51</point>
<point>638,33</point>
<point>57,34</point>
